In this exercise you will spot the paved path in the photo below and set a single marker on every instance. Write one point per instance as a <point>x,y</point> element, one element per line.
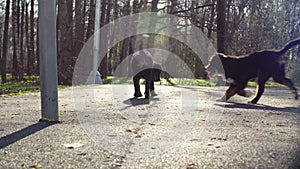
<point>182,127</point>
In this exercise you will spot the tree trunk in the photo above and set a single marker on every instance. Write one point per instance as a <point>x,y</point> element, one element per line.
<point>37,52</point>
<point>15,71</point>
<point>27,37</point>
<point>1,38</point>
<point>126,42</point>
<point>211,21</point>
<point>31,45</point>
<point>5,43</point>
<point>133,45</point>
<point>105,19</point>
<point>152,24</point>
<point>91,22</point>
<point>221,26</point>
<point>22,41</point>
<point>114,60</point>
<point>79,27</point>
<point>65,34</point>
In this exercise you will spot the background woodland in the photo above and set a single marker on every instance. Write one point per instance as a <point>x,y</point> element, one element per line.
<point>235,27</point>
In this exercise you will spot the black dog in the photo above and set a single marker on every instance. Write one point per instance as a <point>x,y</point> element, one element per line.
<point>143,64</point>
<point>262,65</point>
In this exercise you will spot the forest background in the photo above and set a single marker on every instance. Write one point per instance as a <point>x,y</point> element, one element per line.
<point>235,27</point>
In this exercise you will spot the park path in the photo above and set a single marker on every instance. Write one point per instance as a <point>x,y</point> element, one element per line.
<point>182,127</point>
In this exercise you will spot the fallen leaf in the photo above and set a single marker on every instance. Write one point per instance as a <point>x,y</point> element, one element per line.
<point>82,154</point>
<point>195,139</point>
<point>281,125</point>
<point>73,145</point>
<point>128,130</point>
<point>274,113</point>
<point>37,166</point>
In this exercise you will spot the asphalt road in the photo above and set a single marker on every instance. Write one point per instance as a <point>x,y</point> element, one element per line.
<point>181,127</point>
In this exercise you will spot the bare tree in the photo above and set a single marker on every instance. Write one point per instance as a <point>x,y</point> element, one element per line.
<point>221,25</point>
<point>5,42</point>
<point>91,20</point>
<point>65,38</point>
<point>79,20</point>
<point>15,24</point>
<point>21,73</point>
<point>27,37</point>
<point>152,24</point>
<point>126,42</point>
<point>31,55</point>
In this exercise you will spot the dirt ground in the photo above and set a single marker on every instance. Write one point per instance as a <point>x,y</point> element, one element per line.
<point>182,127</point>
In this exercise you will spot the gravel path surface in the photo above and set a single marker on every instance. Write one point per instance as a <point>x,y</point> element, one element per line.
<point>181,127</point>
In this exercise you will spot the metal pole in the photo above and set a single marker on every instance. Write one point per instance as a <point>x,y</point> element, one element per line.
<point>94,77</point>
<point>48,60</point>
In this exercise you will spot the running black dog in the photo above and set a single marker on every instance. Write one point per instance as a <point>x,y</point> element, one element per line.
<point>144,68</point>
<point>261,65</point>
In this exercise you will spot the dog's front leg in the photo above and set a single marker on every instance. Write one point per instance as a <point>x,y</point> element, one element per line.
<point>136,83</point>
<point>259,91</point>
<point>229,93</point>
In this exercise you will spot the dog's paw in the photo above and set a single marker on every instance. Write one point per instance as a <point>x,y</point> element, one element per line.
<point>152,93</point>
<point>252,102</point>
<point>137,95</point>
<point>223,99</point>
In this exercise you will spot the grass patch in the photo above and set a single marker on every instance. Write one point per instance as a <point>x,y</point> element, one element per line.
<point>165,82</point>
<point>117,80</point>
<point>17,88</point>
<point>28,84</point>
<point>180,82</point>
<point>14,87</point>
<point>31,83</point>
<point>268,84</point>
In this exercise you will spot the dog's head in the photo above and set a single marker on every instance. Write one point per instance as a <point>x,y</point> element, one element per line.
<point>215,66</point>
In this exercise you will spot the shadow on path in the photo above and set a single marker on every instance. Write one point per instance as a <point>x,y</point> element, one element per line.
<point>137,101</point>
<point>233,105</point>
<point>19,135</point>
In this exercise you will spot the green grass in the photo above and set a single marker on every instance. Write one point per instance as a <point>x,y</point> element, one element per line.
<point>13,87</point>
<point>268,84</point>
<point>179,81</point>
<point>28,84</point>
<point>31,83</point>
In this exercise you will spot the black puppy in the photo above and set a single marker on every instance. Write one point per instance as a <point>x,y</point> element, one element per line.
<point>150,75</point>
<point>143,64</point>
<point>261,65</point>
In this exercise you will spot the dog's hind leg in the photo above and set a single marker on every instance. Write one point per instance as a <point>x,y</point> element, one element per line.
<point>287,82</point>
<point>147,88</point>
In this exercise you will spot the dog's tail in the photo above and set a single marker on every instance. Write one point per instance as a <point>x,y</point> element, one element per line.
<point>288,46</point>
